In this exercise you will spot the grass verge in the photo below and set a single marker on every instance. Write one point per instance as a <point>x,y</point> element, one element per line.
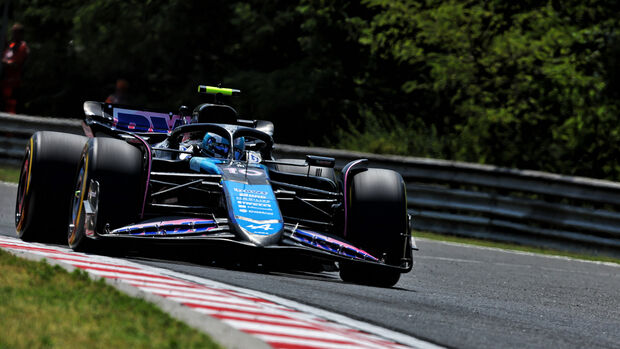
<point>9,173</point>
<point>46,306</point>
<point>515,247</point>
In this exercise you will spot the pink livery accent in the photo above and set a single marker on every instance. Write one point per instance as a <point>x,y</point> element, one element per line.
<point>346,194</point>
<point>173,222</point>
<point>333,245</point>
<point>178,226</point>
<point>146,121</point>
<point>148,175</point>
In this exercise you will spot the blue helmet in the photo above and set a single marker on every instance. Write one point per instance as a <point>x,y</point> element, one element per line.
<point>214,145</point>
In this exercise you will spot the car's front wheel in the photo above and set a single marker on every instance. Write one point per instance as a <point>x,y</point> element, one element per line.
<point>108,184</point>
<point>377,222</point>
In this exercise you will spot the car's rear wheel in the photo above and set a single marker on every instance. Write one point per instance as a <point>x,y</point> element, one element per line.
<point>377,222</point>
<point>115,168</point>
<point>45,182</point>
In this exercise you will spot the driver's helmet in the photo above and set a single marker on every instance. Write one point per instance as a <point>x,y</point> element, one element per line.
<point>214,145</point>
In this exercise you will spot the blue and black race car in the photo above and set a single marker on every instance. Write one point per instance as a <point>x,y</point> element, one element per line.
<point>208,178</point>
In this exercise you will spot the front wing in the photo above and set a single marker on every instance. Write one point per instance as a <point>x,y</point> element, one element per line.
<point>296,242</point>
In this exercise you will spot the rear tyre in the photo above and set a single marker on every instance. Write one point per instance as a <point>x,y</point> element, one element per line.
<point>376,222</point>
<point>117,168</point>
<point>45,183</point>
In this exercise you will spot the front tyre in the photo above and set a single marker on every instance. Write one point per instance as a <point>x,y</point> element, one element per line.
<point>45,183</point>
<point>109,181</point>
<point>377,222</point>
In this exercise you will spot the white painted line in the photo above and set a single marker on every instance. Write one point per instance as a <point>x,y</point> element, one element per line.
<point>128,273</point>
<point>182,285</point>
<point>249,314</point>
<point>517,265</point>
<point>523,253</point>
<point>85,259</point>
<point>33,246</point>
<point>450,259</point>
<point>192,292</point>
<point>221,305</point>
<point>132,281</point>
<point>305,331</point>
<point>125,277</point>
<point>266,317</point>
<point>213,301</point>
<point>273,340</point>
<point>93,265</point>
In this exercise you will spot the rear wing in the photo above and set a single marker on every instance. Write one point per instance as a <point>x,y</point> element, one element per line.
<point>146,121</point>
<point>133,120</point>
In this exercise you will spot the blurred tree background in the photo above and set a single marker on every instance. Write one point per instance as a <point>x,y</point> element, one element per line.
<point>527,84</point>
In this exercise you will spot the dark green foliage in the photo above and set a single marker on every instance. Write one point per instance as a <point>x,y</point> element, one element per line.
<point>513,84</point>
<point>524,84</point>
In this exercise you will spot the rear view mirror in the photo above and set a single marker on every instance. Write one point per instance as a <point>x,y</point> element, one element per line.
<point>320,161</point>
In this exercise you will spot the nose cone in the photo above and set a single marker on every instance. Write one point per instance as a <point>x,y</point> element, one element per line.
<point>253,211</point>
<point>260,233</point>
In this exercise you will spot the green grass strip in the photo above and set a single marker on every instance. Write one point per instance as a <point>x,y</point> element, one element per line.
<point>514,247</point>
<point>44,306</point>
<point>9,173</point>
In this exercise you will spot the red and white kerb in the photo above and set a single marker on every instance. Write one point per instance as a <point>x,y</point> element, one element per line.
<point>278,325</point>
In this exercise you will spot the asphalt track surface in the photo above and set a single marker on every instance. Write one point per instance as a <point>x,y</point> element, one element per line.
<point>456,296</point>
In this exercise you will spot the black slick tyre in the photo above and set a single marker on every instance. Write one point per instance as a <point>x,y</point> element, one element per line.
<point>116,167</point>
<point>376,222</point>
<point>45,184</point>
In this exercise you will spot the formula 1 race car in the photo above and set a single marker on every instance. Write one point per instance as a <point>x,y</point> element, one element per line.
<point>209,179</point>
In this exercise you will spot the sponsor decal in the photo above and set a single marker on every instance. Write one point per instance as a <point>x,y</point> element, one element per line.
<point>254,207</point>
<point>145,121</point>
<point>244,171</point>
<point>253,157</point>
<point>262,226</point>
